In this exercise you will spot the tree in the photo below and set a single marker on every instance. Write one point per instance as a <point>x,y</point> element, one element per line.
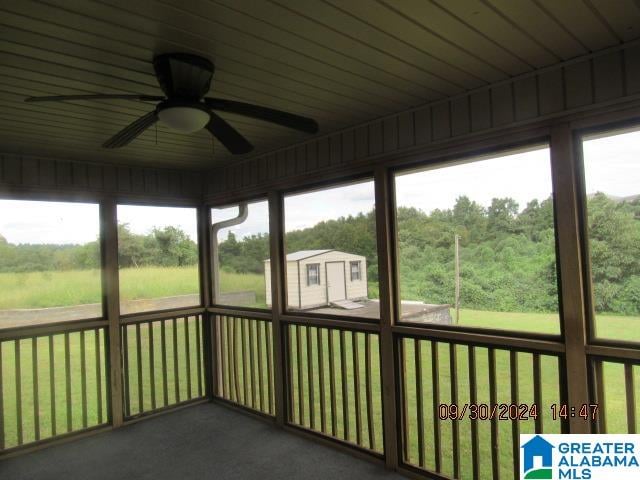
<point>501,216</point>
<point>174,247</point>
<point>131,249</point>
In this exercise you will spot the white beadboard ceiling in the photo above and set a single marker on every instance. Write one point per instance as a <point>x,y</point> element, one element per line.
<point>340,62</point>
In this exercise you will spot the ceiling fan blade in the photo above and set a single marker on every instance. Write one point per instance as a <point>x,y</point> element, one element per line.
<point>131,131</point>
<point>99,96</point>
<point>228,136</point>
<point>285,119</point>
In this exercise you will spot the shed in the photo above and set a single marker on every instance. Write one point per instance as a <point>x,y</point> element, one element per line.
<point>317,278</point>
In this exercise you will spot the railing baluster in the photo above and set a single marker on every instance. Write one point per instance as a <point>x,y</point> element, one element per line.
<point>2,422</point>
<point>83,379</point>
<point>224,377</point>
<point>152,365</point>
<point>630,398</point>
<point>230,364</point>
<point>369,387</point>
<point>98,350</point>
<point>267,335</point>
<point>52,386</point>
<point>67,368</point>
<point>455,427</point>
<point>199,349</point>
<point>187,354</point>
<point>515,400</point>
<point>310,383</point>
<point>493,400</point>
<point>252,364</point>
<point>345,386</point>
<point>323,412</point>
<point>356,383</point>
<point>402,363</point>
<point>473,399</point>
<point>165,380</point>
<point>290,373</point>
<point>245,383</point>
<point>105,370</point>
<point>176,372</point>
<point>417,354</point>
<point>18,371</point>
<point>435,379</point>
<point>125,353</point>
<point>260,364</point>
<point>234,359</point>
<point>332,385</point>
<point>230,353</point>
<point>36,394</point>
<point>299,372</point>
<point>601,419</point>
<point>537,391</point>
<point>139,368</point>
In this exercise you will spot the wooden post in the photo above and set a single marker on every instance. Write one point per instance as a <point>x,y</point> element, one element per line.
<point>111,305</point>
<point>565,186</point>
<point>457,299</point>
<point>278,294</point>
<point>209,335</point>
<point>384,216</point>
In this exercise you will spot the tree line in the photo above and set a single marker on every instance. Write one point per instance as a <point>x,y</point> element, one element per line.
<point>167,247</point>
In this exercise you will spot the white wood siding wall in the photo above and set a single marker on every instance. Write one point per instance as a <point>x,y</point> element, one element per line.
<point>292,283</point>
<point>581,84</point>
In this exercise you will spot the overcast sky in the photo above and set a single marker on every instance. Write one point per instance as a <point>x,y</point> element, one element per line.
<point>612,165</point>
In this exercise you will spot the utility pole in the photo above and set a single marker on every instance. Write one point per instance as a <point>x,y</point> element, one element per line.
<point>457,260</point>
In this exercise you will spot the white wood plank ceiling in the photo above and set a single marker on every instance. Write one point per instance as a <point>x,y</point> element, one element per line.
<point>340,62</point>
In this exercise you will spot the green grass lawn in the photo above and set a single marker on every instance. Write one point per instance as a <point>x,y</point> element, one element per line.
<point>608,326</point>
<point>58,288</point>
<point>78,287</point>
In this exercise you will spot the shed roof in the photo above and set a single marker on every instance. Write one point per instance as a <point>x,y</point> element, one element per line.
<point>302,254</point>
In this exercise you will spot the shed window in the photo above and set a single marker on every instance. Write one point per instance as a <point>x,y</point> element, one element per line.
<point>313,274</point>
<point>355,271</point>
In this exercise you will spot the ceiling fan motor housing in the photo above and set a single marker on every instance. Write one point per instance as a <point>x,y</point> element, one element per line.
<point>183,76</point>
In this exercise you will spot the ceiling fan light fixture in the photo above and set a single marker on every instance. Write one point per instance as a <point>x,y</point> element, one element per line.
<point>184,119</point>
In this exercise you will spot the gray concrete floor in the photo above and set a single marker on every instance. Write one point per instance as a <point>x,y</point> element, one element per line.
<point>207,441</point>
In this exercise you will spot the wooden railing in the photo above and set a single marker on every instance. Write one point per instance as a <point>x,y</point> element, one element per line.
<point>463,406</point>
<point>52,385</point>
<point>244,362</point>
<point>618,408</point>
<point>334,383</point>
<point>162,362</point>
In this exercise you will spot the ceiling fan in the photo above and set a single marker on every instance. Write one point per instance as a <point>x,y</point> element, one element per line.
<point>185,79</point>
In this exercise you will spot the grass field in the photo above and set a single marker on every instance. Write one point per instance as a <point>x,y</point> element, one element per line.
<point>78,287</point>
<point>51,289</point>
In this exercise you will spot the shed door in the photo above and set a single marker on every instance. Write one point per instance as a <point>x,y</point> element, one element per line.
<point>336,286</point>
